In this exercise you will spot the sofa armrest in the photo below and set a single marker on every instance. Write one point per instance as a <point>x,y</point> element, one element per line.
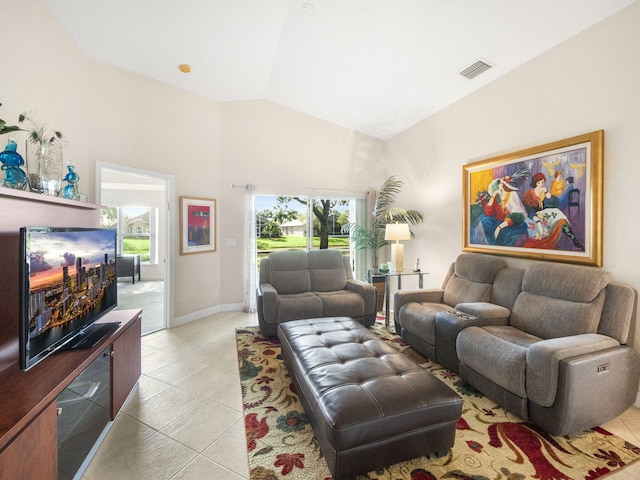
<point>268,298</point>
<point>543,359</point>
<point>368,293</point>
<point>401,297</point>
<point>489,313</point>
<point>593,389</point>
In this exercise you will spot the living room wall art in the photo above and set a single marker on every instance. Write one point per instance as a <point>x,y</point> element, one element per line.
<point>541,203</point>
<point>197,225</point>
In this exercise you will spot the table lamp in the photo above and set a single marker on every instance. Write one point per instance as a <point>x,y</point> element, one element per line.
<point>397,232</point>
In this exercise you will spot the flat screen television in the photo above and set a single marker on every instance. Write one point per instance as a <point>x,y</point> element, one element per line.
<point>67,282</point>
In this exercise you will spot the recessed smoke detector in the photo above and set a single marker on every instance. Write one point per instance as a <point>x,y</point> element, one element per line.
<point>472,71</point>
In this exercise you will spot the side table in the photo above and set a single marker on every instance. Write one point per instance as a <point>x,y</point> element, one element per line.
<point>387,288</point>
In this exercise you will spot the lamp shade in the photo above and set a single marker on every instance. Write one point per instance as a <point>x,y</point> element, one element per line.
<point>397,231</point>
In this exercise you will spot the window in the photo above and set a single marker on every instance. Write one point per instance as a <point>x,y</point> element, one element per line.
<point>137,230</point>
<point>283,223</point>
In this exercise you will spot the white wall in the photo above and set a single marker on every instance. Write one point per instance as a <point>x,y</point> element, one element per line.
<point>590,82</point>
<point>281,151</point>
<point>112,116</point>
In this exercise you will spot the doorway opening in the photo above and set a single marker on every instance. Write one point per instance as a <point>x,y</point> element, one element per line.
<point>137,203</point>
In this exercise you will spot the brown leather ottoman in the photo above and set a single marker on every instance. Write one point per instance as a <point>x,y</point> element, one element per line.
<point>369,405</point>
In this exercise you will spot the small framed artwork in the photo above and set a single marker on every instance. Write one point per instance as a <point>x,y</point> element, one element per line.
<point>197,225</point>
<point>542,203</point>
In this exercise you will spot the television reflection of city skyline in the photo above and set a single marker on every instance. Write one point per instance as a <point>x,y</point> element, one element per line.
<point>58,296</point>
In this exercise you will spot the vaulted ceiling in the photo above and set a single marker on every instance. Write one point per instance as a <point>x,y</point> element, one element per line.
<point>374,66</point>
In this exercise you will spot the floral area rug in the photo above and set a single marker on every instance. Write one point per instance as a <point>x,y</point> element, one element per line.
<point>490,442</point>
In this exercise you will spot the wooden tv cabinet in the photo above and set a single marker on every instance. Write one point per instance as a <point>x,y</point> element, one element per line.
<point>28,418</point>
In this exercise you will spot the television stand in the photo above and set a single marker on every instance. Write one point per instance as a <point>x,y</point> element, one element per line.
<point>29,414</point>
<point>91,335</point>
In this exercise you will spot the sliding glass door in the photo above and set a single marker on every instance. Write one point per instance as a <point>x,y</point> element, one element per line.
<point>306,223</point>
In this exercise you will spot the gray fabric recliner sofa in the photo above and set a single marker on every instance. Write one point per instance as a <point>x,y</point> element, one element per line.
<point>549,346</point>
<point>296,285</point>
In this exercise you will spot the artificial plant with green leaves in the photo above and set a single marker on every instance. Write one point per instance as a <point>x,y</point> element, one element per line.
<point>371,238</point>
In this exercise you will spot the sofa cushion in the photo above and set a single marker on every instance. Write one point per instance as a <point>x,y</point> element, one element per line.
<point>497,353</point>
<point>341,303</point>
<point>298,306</point>
<point>618,311</point>
<point>507,286</point>
<point>327,270</point>
<point>478,267</point>
<point>289,272</point>
<point>472,279</point>
<point>420,319</point>
<point>554,317</point>
<point>574,283</point>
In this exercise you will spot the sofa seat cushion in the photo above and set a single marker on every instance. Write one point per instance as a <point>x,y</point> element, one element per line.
<point>420,319</point>
<point>497,353</point>
<point>299,305</point>
<point>341,303</point>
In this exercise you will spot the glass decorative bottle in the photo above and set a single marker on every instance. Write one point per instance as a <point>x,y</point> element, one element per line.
<point>14,176</point>
<point>49,158</point>
<point>70,191</point>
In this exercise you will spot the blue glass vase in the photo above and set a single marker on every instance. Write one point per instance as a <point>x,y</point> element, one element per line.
<point>70,190</point>
<point>14,176</point>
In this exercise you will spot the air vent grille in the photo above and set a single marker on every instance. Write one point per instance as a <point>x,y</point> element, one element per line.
<point>476,69</point>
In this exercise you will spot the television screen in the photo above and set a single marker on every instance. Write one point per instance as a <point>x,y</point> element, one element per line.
<point>68,281</point>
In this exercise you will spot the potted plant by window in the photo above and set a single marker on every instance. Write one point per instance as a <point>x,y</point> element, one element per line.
<point>372,237</point>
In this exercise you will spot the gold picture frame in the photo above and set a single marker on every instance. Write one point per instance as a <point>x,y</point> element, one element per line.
<point>541,203</point>
<point>197,225</point>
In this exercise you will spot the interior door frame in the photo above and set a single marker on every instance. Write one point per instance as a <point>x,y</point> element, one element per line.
<point>169,181</point>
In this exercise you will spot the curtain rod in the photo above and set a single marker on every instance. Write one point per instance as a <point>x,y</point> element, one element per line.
<point>309,191</point>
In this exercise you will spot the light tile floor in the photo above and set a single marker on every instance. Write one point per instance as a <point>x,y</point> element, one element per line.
<point>184,420</point>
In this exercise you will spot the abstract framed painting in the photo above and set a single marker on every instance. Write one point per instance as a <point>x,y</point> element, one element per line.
<point>541,203</point>
<point>197,225</point>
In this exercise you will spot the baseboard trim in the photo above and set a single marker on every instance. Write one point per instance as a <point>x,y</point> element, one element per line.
<point>191,317</point>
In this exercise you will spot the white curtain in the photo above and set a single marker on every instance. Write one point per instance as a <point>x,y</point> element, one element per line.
<point>250,249</point>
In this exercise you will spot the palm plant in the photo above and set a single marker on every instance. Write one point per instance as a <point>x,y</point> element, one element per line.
<point>384,212</point>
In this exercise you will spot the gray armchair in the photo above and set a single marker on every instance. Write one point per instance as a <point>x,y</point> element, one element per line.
<point>298,284</point>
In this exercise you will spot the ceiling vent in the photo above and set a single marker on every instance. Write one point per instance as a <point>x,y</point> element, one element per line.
<point>476,69</point>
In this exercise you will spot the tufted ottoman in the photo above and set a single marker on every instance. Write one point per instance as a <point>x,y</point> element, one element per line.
<point>369,405</point>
